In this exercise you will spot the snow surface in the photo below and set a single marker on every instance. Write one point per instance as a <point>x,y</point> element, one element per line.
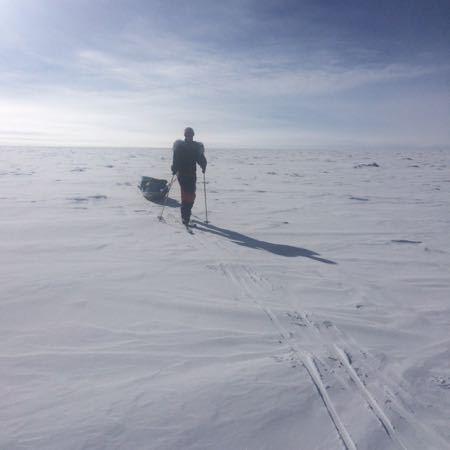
<point>312,313</point>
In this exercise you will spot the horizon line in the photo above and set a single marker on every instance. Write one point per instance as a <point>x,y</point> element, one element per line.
<point>337,146</point>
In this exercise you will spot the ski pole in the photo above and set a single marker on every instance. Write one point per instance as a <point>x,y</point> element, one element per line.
<point>167,196</point>
<point>204,191</point>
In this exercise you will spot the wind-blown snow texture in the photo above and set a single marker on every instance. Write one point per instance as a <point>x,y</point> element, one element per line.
<point>312,313</point>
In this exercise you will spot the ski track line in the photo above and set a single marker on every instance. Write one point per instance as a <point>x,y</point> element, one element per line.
<point>305,359</point>
<point>308,362</point>
<point>364,392</point>
<point>376,409</point>
<point>427,436</point>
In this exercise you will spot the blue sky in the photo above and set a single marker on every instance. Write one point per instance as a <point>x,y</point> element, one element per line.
<point>242,73</point>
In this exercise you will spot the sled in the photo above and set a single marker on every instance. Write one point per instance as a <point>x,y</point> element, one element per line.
<point>153,189</point>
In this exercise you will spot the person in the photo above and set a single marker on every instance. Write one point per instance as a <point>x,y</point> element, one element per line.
<point>186,155</point>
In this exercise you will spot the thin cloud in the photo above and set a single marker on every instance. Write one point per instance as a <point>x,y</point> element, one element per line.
<point>136,75</point>
<point>245,76</point>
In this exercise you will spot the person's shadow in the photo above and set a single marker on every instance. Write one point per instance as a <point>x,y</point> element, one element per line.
<point>246,241</point>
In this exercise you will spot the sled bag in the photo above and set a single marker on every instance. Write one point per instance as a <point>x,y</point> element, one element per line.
<point>153,188</point>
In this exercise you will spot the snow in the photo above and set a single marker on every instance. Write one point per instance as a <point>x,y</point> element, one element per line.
<point>312,312</point>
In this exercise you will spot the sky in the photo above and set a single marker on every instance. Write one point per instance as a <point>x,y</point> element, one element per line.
<point>247,73</point>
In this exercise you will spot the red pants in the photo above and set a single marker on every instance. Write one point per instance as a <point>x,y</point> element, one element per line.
<point>188,187</point>
<point>187,197</point>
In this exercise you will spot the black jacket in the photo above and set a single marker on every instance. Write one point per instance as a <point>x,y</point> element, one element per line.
<point>186,156</point>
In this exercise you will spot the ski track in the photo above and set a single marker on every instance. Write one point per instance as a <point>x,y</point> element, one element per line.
<point>308,360</point>
<point>385,422</point>
<point>344,359</point>
<point>387,385</point>
<point>305,359</point>
<point>250,283</point>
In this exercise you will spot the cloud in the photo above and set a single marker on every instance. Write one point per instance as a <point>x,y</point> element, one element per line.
<point>195,70</point>
<point>148,68</point>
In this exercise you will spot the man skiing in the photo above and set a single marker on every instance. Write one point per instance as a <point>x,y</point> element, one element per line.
<point>186,155</point>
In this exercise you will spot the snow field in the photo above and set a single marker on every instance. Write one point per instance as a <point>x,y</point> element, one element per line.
<point>311,313</point>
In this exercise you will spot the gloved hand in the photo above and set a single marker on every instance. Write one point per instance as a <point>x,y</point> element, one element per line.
<point>204,170</point>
